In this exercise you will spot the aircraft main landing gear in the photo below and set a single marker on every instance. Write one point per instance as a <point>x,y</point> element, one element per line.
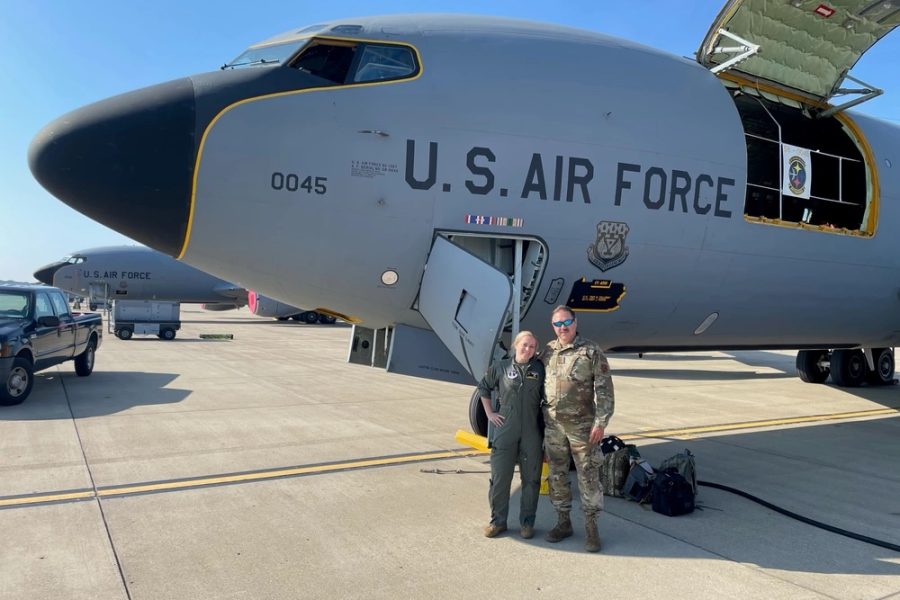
<point>847,367</point>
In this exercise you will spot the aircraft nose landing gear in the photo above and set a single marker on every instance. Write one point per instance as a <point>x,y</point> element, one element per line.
<point>848,368</point>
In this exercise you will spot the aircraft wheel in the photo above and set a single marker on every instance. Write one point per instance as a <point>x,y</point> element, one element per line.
<point>884,367</point>
<point>167,334</point>
<point>18,384</point>
<point>848,368</point>
<point>812,365</point>
<point>296,317</point>
<point>84,362</point>
<point>124,333</point>
<point>327,319</point>
<point>282,318</point>
<point>477,417</point>
<point>311,317</point>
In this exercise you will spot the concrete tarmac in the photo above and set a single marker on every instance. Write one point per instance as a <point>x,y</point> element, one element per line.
<point>198,469</point>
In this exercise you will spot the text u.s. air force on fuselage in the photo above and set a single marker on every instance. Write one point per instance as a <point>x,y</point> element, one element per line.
<point>571,179</point>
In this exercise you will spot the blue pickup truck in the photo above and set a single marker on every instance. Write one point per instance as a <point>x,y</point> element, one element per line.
<point>37,331</point>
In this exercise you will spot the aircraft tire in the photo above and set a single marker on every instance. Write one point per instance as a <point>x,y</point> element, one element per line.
<point>18,384</point>
<point>809,366</point>
<point>124,333</point>
<point>84,362</point>
<point>327,319</point>
<point>884,367</point>
<point>848,368</point>
<point>477,417</point>
<point>310,317</point>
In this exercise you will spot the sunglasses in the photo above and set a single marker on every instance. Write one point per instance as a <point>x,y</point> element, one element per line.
<point>565,323</point>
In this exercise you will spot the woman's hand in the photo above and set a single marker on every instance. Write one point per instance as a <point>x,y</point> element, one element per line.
<point>495,418</point>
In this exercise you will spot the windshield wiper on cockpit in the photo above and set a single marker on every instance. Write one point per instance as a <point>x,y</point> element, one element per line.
<point>260,61</point>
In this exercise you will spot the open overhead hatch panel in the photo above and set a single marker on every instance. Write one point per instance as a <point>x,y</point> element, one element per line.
<point>802,48</point>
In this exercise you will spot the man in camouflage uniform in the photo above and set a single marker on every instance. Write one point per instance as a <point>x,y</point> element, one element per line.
<point>580,402</point>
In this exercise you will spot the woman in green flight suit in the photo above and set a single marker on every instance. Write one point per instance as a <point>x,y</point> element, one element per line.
<point>518,435</point>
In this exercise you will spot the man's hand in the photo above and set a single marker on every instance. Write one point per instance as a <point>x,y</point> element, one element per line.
<point>596,435</point>
<point>497,419</point>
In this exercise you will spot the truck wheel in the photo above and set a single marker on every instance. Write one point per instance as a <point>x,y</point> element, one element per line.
<point>18,383</point>
<point>84,362</point>
<point>124,333</point>
<point>167,334</point>
<point>311,317</point>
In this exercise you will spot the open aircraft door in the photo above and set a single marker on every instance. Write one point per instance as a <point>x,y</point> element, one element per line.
<point>802,49</point>
<point>465,302</point>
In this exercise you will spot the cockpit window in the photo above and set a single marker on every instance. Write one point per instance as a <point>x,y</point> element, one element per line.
<point>329,60</point>
<point>385,62</point>
<point>266,56</point>
<point>347,61</point>
<point>73,260</point>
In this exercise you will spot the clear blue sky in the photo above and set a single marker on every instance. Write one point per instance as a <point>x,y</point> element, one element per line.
<point>60,55</point>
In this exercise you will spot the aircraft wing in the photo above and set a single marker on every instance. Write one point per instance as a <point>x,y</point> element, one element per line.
<point>805,47</point>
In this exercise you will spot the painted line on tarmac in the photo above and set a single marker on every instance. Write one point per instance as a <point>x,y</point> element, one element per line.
<point>688,432</point>
<point>171,485</point>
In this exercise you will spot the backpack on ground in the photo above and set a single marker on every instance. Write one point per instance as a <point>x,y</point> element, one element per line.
<point>683,462</point>
<point>615,468</point>
<point>672,493</point>
<point>639,483</point>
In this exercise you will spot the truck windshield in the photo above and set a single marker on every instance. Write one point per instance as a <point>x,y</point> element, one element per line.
<point>264,56</point>
<point>13,304</point>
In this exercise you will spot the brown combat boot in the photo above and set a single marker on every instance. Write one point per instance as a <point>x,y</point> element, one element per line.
<point>592,544</point>
<point>561,530</point>
<point>492,531</point>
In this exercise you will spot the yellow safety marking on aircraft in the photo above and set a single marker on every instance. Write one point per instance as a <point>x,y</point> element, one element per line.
<point>190,222</point>
<point>199,482</point>
<point>871,169</point>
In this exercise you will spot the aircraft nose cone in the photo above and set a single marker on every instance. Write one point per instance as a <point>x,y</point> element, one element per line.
<point>45,274</point>
<point>126,162</point>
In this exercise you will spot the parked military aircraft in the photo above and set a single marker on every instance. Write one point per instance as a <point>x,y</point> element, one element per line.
<point>441,180</point>
<point>139,273</point>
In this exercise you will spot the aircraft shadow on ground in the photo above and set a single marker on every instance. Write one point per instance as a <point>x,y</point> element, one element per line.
<point>751,358</point>
<point>841,474</point>
<point>103,393</point>
<point>698,374</point>
<point>177,340</point>
<point>885,395</point>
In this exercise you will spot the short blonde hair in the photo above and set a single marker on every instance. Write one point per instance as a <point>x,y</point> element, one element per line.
<point>522,335</point>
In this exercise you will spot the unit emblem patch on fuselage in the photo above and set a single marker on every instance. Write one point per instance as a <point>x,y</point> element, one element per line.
<point>598,295</point>
<point>609,250</point>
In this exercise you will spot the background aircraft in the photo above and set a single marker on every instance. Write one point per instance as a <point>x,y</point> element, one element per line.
<point>453,178</point>
<point>139,273</point>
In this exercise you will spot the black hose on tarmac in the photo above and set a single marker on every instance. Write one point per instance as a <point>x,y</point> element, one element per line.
<point>856,536</point>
